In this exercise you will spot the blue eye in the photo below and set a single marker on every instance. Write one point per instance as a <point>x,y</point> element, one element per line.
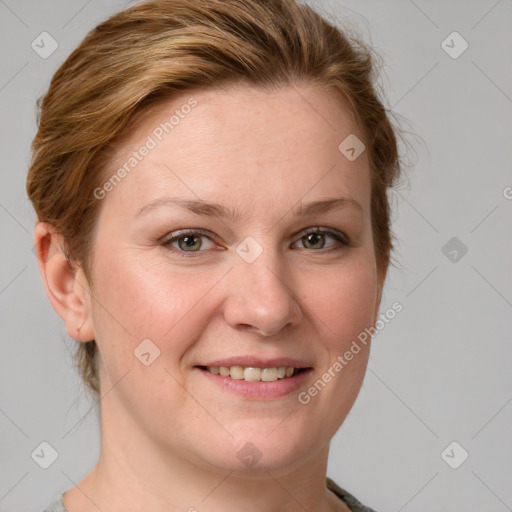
<point>189,242</point>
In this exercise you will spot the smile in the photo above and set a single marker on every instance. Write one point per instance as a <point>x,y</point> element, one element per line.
<point>252,374</point>
<point>251,382</point>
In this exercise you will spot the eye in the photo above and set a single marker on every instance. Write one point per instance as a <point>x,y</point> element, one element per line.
<point>187,241</point>
<point>315,238</point>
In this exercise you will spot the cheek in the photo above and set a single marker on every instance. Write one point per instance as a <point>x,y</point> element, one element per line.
<point>344,303</point>
<point>139,297</point>
<point>344,309</point>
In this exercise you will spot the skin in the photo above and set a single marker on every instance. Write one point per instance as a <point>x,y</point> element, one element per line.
<point>169,438</point>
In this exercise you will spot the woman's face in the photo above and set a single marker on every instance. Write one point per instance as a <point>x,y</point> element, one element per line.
<point>251,287</point>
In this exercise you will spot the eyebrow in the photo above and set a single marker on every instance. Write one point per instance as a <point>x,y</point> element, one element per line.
<point>218,210</point>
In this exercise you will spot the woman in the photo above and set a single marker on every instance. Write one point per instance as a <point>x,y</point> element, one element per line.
<point>210,181</point>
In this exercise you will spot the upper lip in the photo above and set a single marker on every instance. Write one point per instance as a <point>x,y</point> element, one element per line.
<point>257,362</point>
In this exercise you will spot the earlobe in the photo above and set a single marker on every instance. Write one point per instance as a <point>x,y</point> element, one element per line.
<point>65,284</point>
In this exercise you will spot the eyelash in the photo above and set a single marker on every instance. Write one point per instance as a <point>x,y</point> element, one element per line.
<point>166,243</point>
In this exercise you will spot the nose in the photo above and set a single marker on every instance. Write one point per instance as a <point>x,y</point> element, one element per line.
<point>261,296</point>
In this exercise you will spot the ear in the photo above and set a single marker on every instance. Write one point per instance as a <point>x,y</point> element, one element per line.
<point>65,284</point>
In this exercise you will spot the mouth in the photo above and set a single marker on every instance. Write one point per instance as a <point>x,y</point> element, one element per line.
<point>253,373</point>
<point>256,380</point>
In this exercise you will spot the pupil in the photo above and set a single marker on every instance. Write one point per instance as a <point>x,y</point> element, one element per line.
<point>189,240</point>
<point>313,236</point>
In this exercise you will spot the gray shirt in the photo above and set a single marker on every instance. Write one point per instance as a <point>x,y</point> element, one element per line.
<point>352,503</point>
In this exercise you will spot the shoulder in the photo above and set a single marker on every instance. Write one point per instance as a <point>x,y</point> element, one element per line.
<point>57,505</point>
<point>352,502</point>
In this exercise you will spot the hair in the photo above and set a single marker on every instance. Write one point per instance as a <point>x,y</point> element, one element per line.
<point>158,49</point>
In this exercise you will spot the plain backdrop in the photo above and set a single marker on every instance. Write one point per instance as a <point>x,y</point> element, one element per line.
<point>439,372</point>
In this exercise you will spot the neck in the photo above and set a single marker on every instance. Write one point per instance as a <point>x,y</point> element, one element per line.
<point>134,473</point>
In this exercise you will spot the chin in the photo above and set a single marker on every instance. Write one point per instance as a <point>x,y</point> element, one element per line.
<point>260,454</point>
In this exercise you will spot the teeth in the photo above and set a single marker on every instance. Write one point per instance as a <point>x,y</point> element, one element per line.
<point>236,372</point>
<point>269,374</point>
<point>253,374</point>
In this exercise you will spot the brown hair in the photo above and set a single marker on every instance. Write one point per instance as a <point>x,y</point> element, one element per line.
<point>157,49</point>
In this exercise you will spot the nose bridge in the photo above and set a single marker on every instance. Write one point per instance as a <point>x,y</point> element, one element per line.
<point>261,295</point>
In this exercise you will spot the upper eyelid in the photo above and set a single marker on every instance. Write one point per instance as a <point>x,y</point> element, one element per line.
<point>184,232</point>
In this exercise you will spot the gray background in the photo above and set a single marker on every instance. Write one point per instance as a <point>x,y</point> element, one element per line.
<point>438,373</point>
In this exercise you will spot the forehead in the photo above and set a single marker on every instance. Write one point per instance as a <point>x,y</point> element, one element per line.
<point>239,146</point>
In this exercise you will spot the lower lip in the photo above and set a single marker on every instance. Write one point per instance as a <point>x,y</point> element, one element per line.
<point>259,390</point>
